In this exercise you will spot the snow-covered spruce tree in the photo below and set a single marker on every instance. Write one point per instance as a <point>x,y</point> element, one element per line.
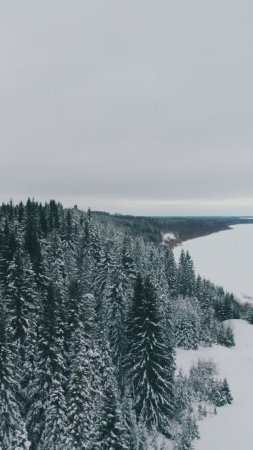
<point>249,314</point>
<point>68,234</point>
<point>53,212</point>
<point>90,242</point>
<point>183,396</point>
<point>220,394</point>
<point>185,404</point>
<point>79,309</point>
<point>101,280</point>
<point>170,269</point>
<point>149,363</point>
<point>226,393</point>
<point>188,433</point>
<point>207,315</point>
<point>116,305</point>
<point>141,255</point>
<point>186,275</point>
<point>201,379</point>
<point>55,266</point>
<point>13,433</point>
<point>226,306</point>
<point>181,274</point>
<point>82,397</point>
<point>207,388</point>
<point>29,365</point>
<point>235,308</point>
<point>20,296</point>
<point>225,335</point>
<point>127,260</point>
<point>111,430</point>
<point>84,380</point>
<point>43,222</point>
<point>187,322</point>
<point>32,231</point>
<point>55,434</point>
<point>70,243</point>
<point>138,436</point>
<point>50,366</point>
<point>159,280</point>
<point>190,275</point>
<point>73,305</point>
<point>8,246</point>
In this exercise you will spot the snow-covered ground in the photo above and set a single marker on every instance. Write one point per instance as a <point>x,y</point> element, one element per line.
<point>225,258</point>
<point>169,237</point>
<point>231,428</point>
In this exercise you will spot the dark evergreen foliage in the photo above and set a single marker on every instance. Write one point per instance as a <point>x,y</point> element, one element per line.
<point>150,362</point>
<point>225,336</point>
<point>13,432</point>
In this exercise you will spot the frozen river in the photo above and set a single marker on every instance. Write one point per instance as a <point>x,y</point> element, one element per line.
<point>225,258</point>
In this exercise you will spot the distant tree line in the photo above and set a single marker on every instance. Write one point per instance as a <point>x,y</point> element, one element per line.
<point>153,228</point>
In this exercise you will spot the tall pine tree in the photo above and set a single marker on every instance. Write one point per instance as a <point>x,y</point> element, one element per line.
<point>150,364</point>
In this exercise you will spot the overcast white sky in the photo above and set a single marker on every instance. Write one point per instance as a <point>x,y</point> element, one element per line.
<point>133,106</point>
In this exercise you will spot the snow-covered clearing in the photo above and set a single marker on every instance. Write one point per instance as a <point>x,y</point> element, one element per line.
<point>225,258</point>
<point>231,428</point>
<point>169,237</point>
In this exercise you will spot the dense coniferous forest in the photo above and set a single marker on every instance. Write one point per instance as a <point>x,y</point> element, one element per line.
<point>90,317</point>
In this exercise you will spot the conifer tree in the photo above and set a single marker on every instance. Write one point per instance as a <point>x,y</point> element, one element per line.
<point>186,275</point>
<point>150,365</point>
<point>112,432</point>
<point>13,433</point>
<point>83,386</point>
<point>31,235</point>
<point>111,428</point>
<point>80,400</point>
<point>225,335</point>
<point>170,271</point>
<point>50,364</point>
<point>127,260</point>
<point>20,298</point>
<point>55,433</point>
<point>116,303</point>
<point>8,246</point>
<point>104,267</point>
<point>187,323</point>
<point>225,393</point>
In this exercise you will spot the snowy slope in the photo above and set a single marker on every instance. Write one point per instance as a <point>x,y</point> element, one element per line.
<point>231,428</point>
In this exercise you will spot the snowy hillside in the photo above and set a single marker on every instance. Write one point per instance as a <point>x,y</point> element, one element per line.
<point>231,428</point>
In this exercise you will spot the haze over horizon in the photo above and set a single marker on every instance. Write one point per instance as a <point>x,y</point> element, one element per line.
<point>132,107</point>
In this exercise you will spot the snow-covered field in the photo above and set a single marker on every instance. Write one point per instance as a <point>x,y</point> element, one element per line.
<point>231,428</point>
<point>225,258</point>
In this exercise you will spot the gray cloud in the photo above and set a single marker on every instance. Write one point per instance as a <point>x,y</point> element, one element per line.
<point>142,107</point>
